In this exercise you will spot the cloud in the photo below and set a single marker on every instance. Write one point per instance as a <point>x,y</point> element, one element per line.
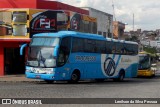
<point>146,12</point>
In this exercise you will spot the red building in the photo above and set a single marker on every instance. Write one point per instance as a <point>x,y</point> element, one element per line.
<point>40,4</point>
<point>15,28</point>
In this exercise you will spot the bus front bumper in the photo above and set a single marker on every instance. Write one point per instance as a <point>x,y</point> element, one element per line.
<point>40,76</point>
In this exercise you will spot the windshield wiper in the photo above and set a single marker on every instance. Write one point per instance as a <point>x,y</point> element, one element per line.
<point>41,59</point>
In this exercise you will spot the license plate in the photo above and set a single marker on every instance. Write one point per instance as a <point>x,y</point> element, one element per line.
<point>38,76</point>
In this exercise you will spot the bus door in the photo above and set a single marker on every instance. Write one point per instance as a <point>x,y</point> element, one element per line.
<point>63,57</point>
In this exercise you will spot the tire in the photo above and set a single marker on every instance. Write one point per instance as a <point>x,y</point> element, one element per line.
<point>49,81</point>
<point>120,77</point>
<point>75,77</point>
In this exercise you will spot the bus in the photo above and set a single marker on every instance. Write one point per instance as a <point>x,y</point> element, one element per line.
<point>74,56</point>
<point>147,65</point>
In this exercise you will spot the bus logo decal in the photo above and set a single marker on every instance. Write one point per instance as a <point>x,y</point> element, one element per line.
<point>109,66</point>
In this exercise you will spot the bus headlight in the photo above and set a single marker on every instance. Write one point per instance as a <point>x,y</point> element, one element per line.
<point>27,70</point>
<point>50,62</point>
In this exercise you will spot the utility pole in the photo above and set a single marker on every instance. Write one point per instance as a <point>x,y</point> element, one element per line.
<point>133,21</point>
<point>114,15</point>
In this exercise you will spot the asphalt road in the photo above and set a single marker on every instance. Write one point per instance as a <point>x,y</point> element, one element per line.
<point>130,88</point>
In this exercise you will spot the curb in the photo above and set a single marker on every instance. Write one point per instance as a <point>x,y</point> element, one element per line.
<point>20,81</point>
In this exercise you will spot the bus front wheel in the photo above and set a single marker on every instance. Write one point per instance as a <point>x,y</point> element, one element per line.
<point>75,77</point>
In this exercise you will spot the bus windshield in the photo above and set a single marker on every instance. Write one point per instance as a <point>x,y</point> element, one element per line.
<point>144,62</point>
<point>43,41</point>
<point>41,51</point>
<point>41,57</point>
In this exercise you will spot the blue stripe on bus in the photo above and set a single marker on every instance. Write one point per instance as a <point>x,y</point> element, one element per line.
<point>119,57</point>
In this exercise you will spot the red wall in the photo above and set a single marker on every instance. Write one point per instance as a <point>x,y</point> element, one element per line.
<point>18,3</point>
<point>40,4</point>
<point>2,46</point>
<point>8,44</point>
<point>1,61</point>
<point>60,6</point>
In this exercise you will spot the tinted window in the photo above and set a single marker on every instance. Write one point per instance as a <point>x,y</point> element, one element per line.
<point>131,49</point>
<point>64,51</point>
<point>113,45</point>
<point>119,48</point>
<point>109,47</point>
<point>100,47</point>
<point>78,45</point>
<point>89,45</point>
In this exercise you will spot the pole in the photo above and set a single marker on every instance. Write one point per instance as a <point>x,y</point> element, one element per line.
<point>133,21</point>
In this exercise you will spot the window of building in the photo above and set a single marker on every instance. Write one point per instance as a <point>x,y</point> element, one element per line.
<point>99,33</point>
<point>19,30</point>
<point>19,17</point>
<point>5,18</point>
<point>104,34</point>
<point>62,17</point>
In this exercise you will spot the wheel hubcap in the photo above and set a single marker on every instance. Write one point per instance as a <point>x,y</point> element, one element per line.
<point>74,76</point>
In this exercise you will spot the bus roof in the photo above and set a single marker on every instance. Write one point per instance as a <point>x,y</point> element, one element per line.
<point>81,35</point>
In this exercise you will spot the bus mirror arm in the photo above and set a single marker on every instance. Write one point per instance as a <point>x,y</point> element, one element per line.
<point>22,47</point>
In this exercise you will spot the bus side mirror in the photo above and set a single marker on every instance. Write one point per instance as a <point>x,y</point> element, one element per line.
<point>55,53</point>
<point>22,48</point>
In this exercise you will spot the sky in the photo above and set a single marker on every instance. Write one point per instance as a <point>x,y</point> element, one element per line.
<point>146,12</point>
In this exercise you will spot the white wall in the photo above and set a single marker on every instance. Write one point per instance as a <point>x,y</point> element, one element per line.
<point>104,20</point>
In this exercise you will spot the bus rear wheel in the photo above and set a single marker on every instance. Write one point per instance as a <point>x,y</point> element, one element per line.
<point>75,77</point>
<point>120,77</point>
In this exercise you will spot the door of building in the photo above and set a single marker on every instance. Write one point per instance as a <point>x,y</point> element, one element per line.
<point>13,62</point>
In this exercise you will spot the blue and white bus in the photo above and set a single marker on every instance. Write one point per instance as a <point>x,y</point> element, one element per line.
<point>74,56</point>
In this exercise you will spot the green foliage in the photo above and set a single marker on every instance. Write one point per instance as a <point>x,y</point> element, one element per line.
<point>150,50</point>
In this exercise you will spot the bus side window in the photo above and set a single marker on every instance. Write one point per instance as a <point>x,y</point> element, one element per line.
<point>89,46</point>
<point>77,45</point>
<point>119,48</point>
<point>108,47</point>
<point>113,48</point>
<point>100,47</point>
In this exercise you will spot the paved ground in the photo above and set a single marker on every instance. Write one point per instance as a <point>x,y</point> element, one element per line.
<point>15,78</point>
<point>130,88</point>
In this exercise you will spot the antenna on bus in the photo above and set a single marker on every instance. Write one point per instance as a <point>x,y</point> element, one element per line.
<point>114,15</point>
